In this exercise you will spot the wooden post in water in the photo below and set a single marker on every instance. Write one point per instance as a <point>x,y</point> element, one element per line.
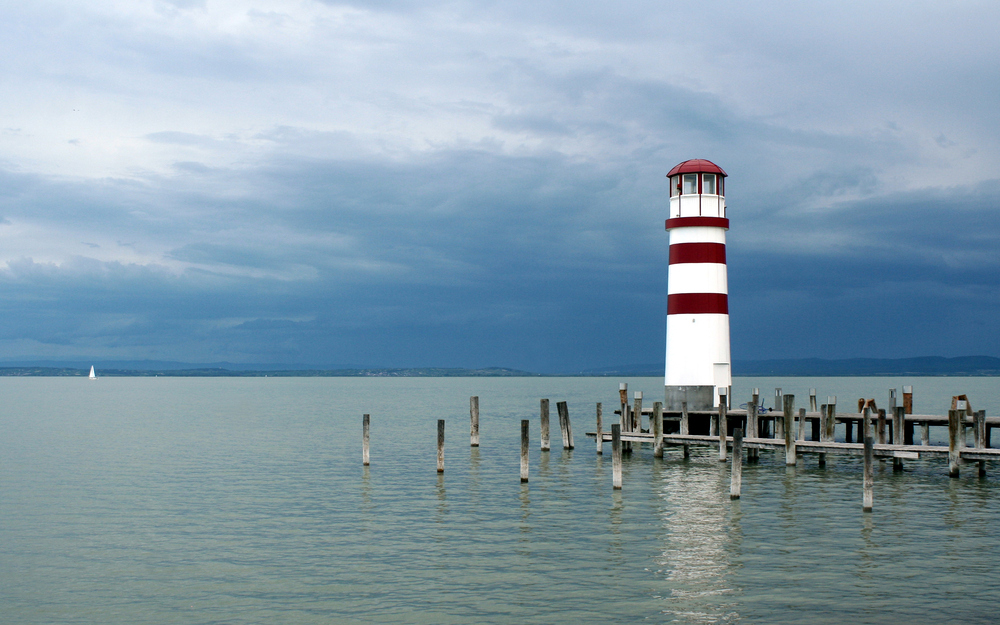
<point>849,431</point>
<point>637,412</point>
<point>925,433</point>
<point>898,417</point>
<point>657,427</point>
<point>723,426</point>
<point>600,433</point>
<point>365,423</point>
<point>789,401</point>
<point>831,417</point>
<point>865,428</point>
<point>954,426</point>
<point>736,480</point>
<point>908,399</point>
<point>544,433</point>
<point>474,417</point>
<point>980,424</point>
<point>869,477</point>
<point>881,426</point>
<point>824,410</point>
<point>685,427</point>
<point>753,423</point>
<point>802,425</point>
<point>616,455</point>
<point>779,424</point>
<point>440,445</point>
<point>812,400</point>
<point>890,411</point>
<point>524,449</point>
<point>567,429</point>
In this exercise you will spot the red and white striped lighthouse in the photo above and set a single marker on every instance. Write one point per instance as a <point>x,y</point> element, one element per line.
<point>697,288</point>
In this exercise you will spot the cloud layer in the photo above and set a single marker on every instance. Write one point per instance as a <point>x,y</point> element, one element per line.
<point>467,184</point>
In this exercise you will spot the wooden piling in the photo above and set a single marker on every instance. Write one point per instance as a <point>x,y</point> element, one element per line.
<point>440,445</point>
<point>812,400</point>
<point>954,426</point>
<point>980,424</point>
<point>722,426</point>
<point>365,427</point>
<point>753,423</point>
<point>685,426</point>
<point>600,433</point>
<point>736,480</point>
<point>831,417</point>
<point>567,429</point>
<point>474,417</point>
<point>616,455</point>
<point>849,431</point>
<point>778,424</point>
<point>525,423</point>
<point>898,417</point>
<point>869,475</point>
<point>789,401</point>
<point>544,429</point>
<point>908,399</point>
<point>881,426</point>
<point>657,427</point>
<point>802,425</point>
<point>865,430</point>
<point>637,412</point>
<point>925,433</point>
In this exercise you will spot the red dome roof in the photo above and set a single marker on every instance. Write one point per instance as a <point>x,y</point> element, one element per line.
<point>697,166</point>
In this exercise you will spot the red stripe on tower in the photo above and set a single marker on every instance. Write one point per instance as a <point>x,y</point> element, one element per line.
<point>697,304</point>
<point>698,253</point>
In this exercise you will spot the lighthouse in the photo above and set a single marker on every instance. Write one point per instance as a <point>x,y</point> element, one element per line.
<point>697,363</point>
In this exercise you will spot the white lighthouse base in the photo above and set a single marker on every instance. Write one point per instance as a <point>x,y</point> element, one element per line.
<point>697,398</point>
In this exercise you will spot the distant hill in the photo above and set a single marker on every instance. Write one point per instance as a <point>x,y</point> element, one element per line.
<point>926,365</point>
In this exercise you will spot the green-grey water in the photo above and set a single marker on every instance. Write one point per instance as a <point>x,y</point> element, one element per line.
<point>243,500</point>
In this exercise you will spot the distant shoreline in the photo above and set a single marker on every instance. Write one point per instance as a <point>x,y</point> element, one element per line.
<point>963,366</point>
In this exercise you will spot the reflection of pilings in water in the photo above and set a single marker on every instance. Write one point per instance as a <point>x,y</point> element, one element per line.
<point>525,526</point>
<point>696,555</point>
<point>616,547</point>
<point>442,497</point>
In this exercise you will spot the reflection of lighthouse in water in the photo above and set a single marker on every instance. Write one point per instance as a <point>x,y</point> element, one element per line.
<point>697,361</point>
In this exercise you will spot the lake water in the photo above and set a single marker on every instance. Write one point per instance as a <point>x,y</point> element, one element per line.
<point>243,500</point>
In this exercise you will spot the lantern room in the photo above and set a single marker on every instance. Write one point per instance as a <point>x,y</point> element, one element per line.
<point>697,189</point>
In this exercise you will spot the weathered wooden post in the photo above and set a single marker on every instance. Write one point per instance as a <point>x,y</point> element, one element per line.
<point>637,412</point>
<point>898,417</point>
<point>849,430</point>
<point>891,412</point>
<point>824,410</point>
<point>954,451</point>
<point>980,424</point>
<point>723,425</point>
<point>685,427</point>
<point>802,425</point>
<point>789,401</point>
<point>474,417</point>
<point>616,455</point>
<point>831,421</point>
<point>567,429</point>
<point>544,433</point>
<point>869,476</point>
<point>908,399</point>
<point>812,400</point>
<point>365,423</point>
<point>925,433</point>
<point>657,427</point>
<point>524,449</point>
<point>623,396</point>
<point>881,426</point>
<point>865,428</point>
<point>753,424</point>
<point>779,424</point>
<point>600,433</point>
<point>440,445</point>
<point>736,480</point>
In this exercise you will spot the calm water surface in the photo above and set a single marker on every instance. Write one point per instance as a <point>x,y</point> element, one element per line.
<point>243,500</point>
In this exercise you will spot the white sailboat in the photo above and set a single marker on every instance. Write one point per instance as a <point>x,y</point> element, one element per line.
<point>92,376</point>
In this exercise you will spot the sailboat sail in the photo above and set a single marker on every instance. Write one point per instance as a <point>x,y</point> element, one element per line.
<point>93,376</point>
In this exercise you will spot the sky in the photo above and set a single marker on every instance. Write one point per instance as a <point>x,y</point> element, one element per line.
<point>475,184</point>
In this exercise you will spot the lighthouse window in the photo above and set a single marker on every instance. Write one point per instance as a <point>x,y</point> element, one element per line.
<point>675,186</point>
<point>690,183</point>
<point>708,183</point>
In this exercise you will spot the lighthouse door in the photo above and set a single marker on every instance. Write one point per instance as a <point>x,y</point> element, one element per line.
<point>722,378</point>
